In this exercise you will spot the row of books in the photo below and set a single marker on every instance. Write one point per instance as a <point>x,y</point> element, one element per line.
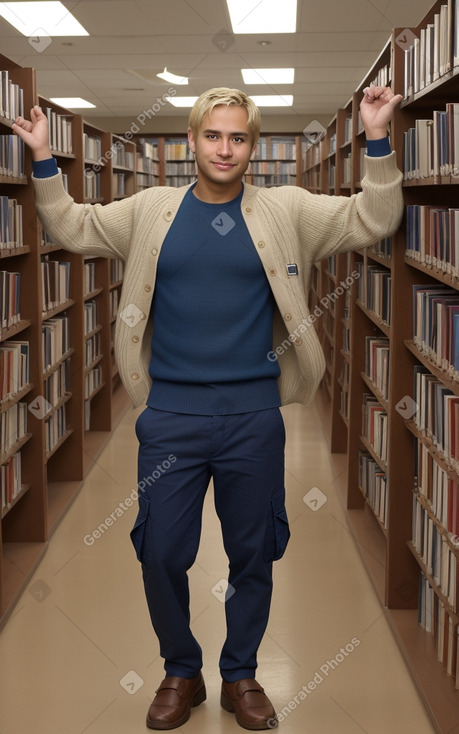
<point>383,248</point>
<point>271,168</point>
<point>116,271</point>
<point>276,148</point>
<point>11,156</point>
<point>56,340</point>
<point>13,426</point>
<point>11,97</point>
<point>91,184</point>
<point>177,151</point>
<point>60,131</point>
<point>90,316</point>
<point>92,380</point>
<point>348,129</point>
<point>332,176</point>
<point>377,363</point>
<point>57,384</point>
<point>182,168</point>
<point>11,231</point>
<point>374,425</point>
<point>55,428</point>
<point>433,52</point>
<point>275,180</point>
<point>383,77</point>
<point>119,184</point>
<point>145,180</point>
<point>92,349</point>
<point>439,490</point>
<point>123,157</point>
<point>89,276</point>
<point>333,139</point>
<point>55,283</point>
<point>437,555</point>
<point>434,617</point>
<point>149,150</point>
<point>437,414</point>
<point>14,368</point>
<point>312,156</point>
<point>431,147</point>
<point>374,290</point>
<point>436,325</point>
<point>373,482</point>
<point>432,237</point>
<point>10,480</point>
<point>177,181</point>
<point>92,146</point>
<point>347,169</point>
<point>10,287</point>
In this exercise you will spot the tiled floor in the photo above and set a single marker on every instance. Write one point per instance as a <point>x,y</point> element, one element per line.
<point>78,655</point>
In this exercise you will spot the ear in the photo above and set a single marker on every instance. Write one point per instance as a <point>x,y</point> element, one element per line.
<point>191,141</point>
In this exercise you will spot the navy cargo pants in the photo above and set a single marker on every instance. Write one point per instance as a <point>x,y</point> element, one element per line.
<point>178,455</point>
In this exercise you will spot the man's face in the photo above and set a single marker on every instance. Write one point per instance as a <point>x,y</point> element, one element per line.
<point>223,145</point>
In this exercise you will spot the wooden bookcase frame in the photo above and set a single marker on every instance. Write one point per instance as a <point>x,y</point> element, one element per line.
<point>51,479</point>
<point>388,554</point>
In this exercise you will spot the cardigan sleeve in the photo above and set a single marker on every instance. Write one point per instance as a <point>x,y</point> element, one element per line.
<point>90,229</point>
<point>332,224</point>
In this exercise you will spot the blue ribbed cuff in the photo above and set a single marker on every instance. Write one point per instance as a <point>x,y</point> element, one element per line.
<point>45,169</point>
<point>378,148</point>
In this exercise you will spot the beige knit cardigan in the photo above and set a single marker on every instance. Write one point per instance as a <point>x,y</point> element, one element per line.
<point>288,226</point>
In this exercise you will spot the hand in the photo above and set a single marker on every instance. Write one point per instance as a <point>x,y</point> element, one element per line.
<point>34,133</point>
<point>377,109</point>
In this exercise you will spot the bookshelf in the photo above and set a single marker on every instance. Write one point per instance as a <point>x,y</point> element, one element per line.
<point>60,396</point>
<point>392,393</point>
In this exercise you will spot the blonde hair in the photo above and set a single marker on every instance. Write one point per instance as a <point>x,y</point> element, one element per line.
<point>224,95</point>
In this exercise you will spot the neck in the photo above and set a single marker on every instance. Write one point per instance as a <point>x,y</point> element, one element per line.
<point>214,193</point>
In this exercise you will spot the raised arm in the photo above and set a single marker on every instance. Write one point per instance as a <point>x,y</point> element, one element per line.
<point>377,109</point>
<point>90,229</point>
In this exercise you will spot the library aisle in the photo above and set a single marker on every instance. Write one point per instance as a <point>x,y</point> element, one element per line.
<point>79,656</point>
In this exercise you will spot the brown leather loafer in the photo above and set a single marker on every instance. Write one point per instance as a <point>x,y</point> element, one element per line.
<point>248,701</point>
<point>173,701</point>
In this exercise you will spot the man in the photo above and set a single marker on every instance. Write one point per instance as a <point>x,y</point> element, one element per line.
<point>222,270</point>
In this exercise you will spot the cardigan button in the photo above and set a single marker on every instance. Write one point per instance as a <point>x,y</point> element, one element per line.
<point>154,251</point>
<point>288,317</point>
<point>147,288</point>
<point>272,271</point>
<point>168,215</point>
<point>298,341</point>
<point>135,339</point>
<point>134,376</point>
<point>261,244</point>
<point>249,209</point>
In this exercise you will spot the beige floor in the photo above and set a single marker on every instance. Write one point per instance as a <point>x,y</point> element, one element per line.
<point>78,655</point>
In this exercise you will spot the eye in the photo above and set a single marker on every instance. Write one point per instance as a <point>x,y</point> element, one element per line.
<point>211,136</point>
<point>238,140</point>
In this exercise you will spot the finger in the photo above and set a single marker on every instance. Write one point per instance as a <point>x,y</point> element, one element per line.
<point>24,124</point>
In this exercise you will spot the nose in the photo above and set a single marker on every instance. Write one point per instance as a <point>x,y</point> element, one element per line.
<point>224,148</point>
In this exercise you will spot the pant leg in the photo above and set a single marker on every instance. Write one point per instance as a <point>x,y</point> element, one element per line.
<point>249,489</point>
<point>173,473</point>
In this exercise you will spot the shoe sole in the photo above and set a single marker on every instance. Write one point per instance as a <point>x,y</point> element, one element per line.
<point>198,698</point>
<point>225,703</point>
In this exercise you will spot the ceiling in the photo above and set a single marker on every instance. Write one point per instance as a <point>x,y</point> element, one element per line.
<point>131,41</point>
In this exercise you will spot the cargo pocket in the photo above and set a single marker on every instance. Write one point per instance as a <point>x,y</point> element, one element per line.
<point>277,531</point>
<point>138,531</point>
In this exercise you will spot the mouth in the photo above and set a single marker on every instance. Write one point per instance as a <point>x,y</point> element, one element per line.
<point>223,166</point>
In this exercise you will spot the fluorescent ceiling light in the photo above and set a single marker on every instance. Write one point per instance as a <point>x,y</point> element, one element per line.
<point>173,78</point>
<point>273,100</point>
<point>268,76</point>
<point>74,103</point>
<point>262,16</point>
<point>42,19</point>
<point>181,101</point>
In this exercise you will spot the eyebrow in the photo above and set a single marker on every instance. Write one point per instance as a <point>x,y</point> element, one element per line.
<point>236,134</point>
